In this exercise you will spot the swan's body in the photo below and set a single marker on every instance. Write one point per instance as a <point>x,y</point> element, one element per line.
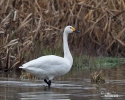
<point>47,67</point>
<point>50,66</point>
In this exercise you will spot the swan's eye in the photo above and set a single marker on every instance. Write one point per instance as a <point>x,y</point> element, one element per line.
<point>70,27</point>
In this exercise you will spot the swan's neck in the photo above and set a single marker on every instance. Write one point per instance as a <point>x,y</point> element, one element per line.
<point>67,54</point>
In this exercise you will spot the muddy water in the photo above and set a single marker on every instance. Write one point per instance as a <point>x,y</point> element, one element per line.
<point>76,85</point>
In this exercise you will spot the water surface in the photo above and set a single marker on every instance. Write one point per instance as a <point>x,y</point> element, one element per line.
<point>76,85</point>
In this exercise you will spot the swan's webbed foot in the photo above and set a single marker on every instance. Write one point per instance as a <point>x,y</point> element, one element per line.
<point>48,82</point>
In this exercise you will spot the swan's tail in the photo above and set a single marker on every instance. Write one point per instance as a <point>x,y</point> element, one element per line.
<point>21,67</point>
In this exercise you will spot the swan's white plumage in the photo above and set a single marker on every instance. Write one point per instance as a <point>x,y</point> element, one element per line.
<point>47,67</point>
<point>50,66</point>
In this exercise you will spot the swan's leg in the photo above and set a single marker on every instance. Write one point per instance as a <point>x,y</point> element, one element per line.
<point>48,82</point>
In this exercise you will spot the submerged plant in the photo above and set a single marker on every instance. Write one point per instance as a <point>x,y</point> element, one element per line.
<point>97,77</point>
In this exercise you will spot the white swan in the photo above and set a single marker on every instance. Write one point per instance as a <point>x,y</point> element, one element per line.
<point>50,66</point>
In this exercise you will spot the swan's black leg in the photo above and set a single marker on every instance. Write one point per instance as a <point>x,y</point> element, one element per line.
<point>48,82</point>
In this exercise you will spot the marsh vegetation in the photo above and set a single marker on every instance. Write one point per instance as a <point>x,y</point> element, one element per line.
<point>33,28</point>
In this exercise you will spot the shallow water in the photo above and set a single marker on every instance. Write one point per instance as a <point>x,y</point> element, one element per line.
<point>76,85</point>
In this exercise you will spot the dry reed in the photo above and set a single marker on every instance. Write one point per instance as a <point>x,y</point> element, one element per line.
<point>28,26</point>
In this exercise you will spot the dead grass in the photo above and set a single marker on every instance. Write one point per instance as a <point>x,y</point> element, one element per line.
<point>29,27</point>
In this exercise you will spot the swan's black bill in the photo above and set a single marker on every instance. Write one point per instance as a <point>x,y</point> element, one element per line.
<point>77,31</point>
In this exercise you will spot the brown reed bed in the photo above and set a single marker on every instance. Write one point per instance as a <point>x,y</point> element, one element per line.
<point>32,28</point>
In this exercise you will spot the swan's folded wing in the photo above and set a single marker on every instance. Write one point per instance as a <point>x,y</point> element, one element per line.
<point>45,62</point>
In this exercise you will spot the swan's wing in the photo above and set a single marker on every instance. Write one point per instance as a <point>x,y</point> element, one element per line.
<point>47,66</point>
<point>45,61</point>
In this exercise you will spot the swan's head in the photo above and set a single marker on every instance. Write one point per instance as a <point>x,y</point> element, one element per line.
<point>70,29</point>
